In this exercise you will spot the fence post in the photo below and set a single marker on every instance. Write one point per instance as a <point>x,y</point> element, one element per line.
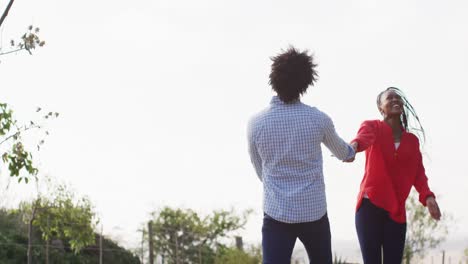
<point>150,238</point>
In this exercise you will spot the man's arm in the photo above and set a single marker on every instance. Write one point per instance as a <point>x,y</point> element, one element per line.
<point>335,144</point>
<point>253,151</point>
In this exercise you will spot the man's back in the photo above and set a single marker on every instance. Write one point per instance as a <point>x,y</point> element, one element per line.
<point>285,142</point>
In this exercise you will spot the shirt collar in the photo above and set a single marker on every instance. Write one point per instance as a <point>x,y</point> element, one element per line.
<point>390,128</point>
<point>277,101</point>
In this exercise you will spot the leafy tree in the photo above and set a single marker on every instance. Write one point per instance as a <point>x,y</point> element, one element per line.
<point>13,250</point>
<point>59,216</point>
<point>423,232</point>
<point>182,236</point>
<point>63,216</point>
<point>29,41</point>
<point>12,237</point>
<point>466,255</point>
<point>233,255</point>
<point>14,154</point>
<point>13,151</point>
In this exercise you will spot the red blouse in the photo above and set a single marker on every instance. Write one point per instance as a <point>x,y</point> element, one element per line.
<point>390,173</point>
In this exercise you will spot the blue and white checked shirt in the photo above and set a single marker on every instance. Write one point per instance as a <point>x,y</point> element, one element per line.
<point>285,149</point>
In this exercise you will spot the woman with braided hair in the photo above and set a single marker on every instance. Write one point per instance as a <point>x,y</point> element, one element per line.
<point>393,166</point>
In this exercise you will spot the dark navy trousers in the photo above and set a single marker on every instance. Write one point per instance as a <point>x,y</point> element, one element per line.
<point>278,240</point>
<point>377,232</point>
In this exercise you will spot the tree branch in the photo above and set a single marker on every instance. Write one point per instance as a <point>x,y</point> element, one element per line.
<point>5,13</point>
<point>11,51</point>
<point>19,132</point>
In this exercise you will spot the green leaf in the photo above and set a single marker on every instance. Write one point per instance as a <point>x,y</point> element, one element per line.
<point>5,157</point>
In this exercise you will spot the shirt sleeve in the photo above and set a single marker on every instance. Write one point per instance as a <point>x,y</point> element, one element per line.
<point>366,135</point>
<point>334,143</point>
<point>253,151</point>
<point>421,181</point>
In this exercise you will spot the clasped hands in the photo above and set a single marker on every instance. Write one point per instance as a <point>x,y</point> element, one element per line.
<point>354,145</point>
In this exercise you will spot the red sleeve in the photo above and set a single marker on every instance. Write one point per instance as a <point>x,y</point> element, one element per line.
<point>366,135</point>
<point>420,182</point>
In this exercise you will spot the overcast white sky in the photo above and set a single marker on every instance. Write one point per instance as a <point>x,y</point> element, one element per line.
<point>154,96</point>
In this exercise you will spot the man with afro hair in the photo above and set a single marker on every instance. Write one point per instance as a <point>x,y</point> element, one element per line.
<point>285,148</point>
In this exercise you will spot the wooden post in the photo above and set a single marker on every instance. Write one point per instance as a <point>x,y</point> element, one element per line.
<point>239,243</point>
<point>199,254</point>
<point>47,242</point>
<point>47,251</point>
<point>100,247</point>
<point>30,232</point>
<point>142,245</point>
<point>176,248</point>
<point>150,238</point>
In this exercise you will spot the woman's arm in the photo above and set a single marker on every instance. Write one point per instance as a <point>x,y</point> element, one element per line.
<point>426,196</point>
<point>366,136</point>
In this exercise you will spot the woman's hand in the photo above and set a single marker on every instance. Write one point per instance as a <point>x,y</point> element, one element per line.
<point>433,207</point>
<point>354,145</point>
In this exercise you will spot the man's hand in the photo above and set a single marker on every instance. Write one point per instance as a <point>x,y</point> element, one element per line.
<point>433,207</point>
<point>354,145</point>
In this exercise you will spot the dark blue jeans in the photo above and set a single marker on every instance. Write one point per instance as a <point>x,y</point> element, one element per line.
<point>278,240</point>
<point>377,232</point>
